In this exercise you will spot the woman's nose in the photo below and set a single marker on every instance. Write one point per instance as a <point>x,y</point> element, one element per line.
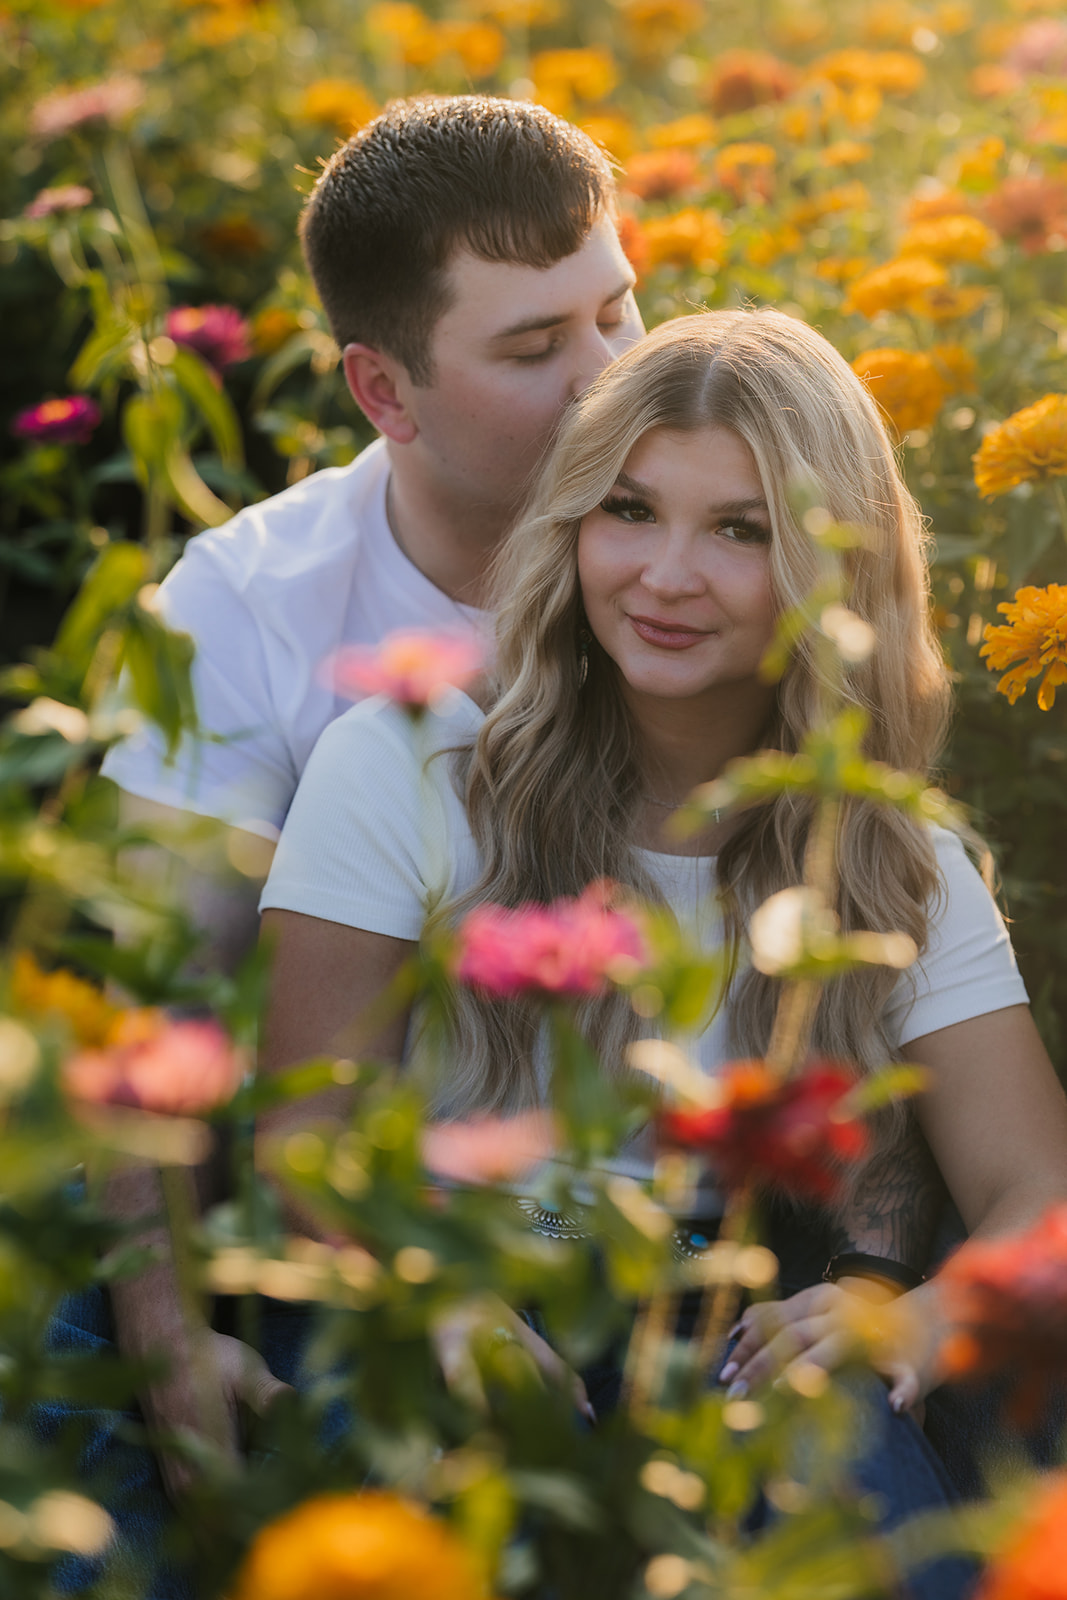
<point>671,573</point>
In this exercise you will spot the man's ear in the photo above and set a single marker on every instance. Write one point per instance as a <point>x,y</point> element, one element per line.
<point>378,384</point>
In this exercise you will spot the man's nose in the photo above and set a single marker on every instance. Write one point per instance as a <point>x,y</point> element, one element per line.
<point>594,354</point>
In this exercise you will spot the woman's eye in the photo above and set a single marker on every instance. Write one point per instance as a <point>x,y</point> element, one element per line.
<point>746,532</point>
<point>626,510</point>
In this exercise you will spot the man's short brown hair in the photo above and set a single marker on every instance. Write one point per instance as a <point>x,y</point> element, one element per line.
<point>504,179</point>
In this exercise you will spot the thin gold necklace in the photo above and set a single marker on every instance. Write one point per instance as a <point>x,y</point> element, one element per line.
<point>675,805</point>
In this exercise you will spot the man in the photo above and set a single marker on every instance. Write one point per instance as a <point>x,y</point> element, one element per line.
<point>466,255</point>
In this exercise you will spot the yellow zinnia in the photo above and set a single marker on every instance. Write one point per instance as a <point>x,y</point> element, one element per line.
<point>655,27</point>
<point>368,1546</point>
<point>949,238</point>
<point>1029,445</point>
<point>689,238</point>
<point>478,45</point>
<point>1031,642</point>
<point>563,76</point>
<point>684,133</point>
<point>894,285</point>
<point>890,71</point>
<point>347,106</point>
<point>62,993</point>
<point>943,303</point>
<point>907,384</point>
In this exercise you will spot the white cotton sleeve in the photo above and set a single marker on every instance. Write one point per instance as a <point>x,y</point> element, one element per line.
<point>361,828</point>
<point>244,773</point>
<point>968,968</point>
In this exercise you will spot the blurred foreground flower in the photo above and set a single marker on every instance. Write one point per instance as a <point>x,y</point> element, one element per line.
<point>1031,209</point>
<point>97,104</point>
<point>489,1149</point>
<point>1007,1299</point>
<point>67,421</point>
<point>793,1135</point>
<point>369,1546</point>
<point>907,384</point>
<point>1034,638</point>
<point>62,993</point>
<point>571,947</point>
<point>1029,445</point>
<point>52,202</point>
<point>417,669</point>
<point>153,1064</point>
<point>219,333</point>
<point>1033,1563</point>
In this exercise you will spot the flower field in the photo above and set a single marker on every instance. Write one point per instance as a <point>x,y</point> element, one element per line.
<point>893,173</point>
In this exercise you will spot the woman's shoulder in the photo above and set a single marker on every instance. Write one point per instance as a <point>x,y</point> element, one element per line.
<point>381,725</point>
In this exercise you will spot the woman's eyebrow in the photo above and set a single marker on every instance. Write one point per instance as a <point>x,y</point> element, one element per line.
<point>725,508</point>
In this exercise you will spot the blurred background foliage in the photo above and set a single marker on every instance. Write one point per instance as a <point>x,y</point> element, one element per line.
<point>775,152</point>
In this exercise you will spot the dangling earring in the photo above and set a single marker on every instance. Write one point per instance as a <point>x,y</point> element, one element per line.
<point>585,639</point>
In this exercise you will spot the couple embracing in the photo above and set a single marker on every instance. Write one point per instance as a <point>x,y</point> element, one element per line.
<point>618,508</point>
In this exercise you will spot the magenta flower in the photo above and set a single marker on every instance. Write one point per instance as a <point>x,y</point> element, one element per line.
<point>177,1068</point>
<point>416,669</point>
<point>105,102</point>
<point>67,421</point>
<point>219,333</point>
<point>571,947</point>
<point>67,197</point>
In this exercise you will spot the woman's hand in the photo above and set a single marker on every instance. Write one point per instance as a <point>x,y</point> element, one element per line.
<point>489,1318</point>
<point>826,1324</point>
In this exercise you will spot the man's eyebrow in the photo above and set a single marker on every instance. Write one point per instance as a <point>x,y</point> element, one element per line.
<point>725,508</point>
<point>537,324</point>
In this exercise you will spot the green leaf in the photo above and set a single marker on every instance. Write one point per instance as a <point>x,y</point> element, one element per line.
<point>159,662</point>
<point>898,1081</point>
<point>191,492</point>
<point>200,385</point>
<point>113,580</point>
<point>151,427</point>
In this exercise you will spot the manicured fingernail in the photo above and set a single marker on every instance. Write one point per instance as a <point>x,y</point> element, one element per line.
<point>736,1330</point>
<point>896,1402</point>
<point>738,1390</point>
<point>728,1371</point>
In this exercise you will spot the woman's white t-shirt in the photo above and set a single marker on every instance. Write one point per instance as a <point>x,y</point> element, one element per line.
<point>377,833</point>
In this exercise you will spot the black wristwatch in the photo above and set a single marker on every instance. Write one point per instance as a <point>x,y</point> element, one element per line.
<point>856,1264</point>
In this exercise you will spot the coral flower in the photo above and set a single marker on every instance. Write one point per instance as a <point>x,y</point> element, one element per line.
<point>689,238</point>
<point>793,1135</point>
<point>63,994</point>
<point>907,384</point>
<point>632,238</point>
<point>366,1546</point>
<point>219,333</point>
<point>52,202</point>
<point>94,106</point>
<point>1040,48</point>
<point>661,174</point>
<point>1032,210</point>
<point>1033,1563</point>
<point>894,285</point>
<point>180,1068</point>
<point>417,669</point>
<point>949,238</point>
<point>1029,445</point>
<point>67,421</point>
<point>490,1149</point>
<point>571,947</point>
<point>1032,642</point>
<point>1007,1300</point>
<point>741,79</point>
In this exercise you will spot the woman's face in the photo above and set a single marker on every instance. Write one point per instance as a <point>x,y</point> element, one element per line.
<point>674,566</point>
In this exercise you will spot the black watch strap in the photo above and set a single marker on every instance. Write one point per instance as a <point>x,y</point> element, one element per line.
<point>856,1264</point>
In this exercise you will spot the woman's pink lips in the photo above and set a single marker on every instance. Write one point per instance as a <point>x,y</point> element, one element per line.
<point>669,636</point>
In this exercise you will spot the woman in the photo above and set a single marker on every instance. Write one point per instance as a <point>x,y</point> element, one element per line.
<point>639,594</point>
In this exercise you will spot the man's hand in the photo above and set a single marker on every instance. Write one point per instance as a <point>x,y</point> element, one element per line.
<point>173,1407</point>
<point>826,1324</point>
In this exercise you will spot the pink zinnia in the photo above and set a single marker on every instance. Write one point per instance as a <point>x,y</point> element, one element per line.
<point>490,1149</point>
<point>67,421</point>
<point>103,102</point>
<point>416,669</point>
<point>66,197</point>
<point>571,947</point>
<point>219,333</point>
<point>180,1068</point>
<point>1040,48</point>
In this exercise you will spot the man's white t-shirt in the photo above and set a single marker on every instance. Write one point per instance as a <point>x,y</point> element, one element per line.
<point>267,598</point>
<point>370,844</point>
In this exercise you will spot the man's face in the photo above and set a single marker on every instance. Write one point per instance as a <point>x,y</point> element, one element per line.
<point>516,344</point>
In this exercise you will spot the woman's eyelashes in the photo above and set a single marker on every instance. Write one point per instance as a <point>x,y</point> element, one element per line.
<point>740,530</point>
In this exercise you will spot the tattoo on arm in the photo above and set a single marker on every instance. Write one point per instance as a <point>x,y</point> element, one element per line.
<point>893,1207</point>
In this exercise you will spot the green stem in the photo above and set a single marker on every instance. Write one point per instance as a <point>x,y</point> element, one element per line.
<point>1059,489</point>
<point>180,1202</point>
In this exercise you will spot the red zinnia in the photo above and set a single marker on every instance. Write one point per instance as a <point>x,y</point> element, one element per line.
<point>1008,1300</point>
<point>793,1135</point>
<point>67,421</point>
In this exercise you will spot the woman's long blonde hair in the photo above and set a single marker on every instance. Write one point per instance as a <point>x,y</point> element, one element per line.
<point>553,785</point>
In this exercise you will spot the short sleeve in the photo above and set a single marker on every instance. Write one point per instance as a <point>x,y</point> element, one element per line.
<point>968,968</point>
<point>243,773</point>
<point>360,828</point>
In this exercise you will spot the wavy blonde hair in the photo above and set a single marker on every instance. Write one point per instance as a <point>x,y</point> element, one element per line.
<point>553,785</point>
